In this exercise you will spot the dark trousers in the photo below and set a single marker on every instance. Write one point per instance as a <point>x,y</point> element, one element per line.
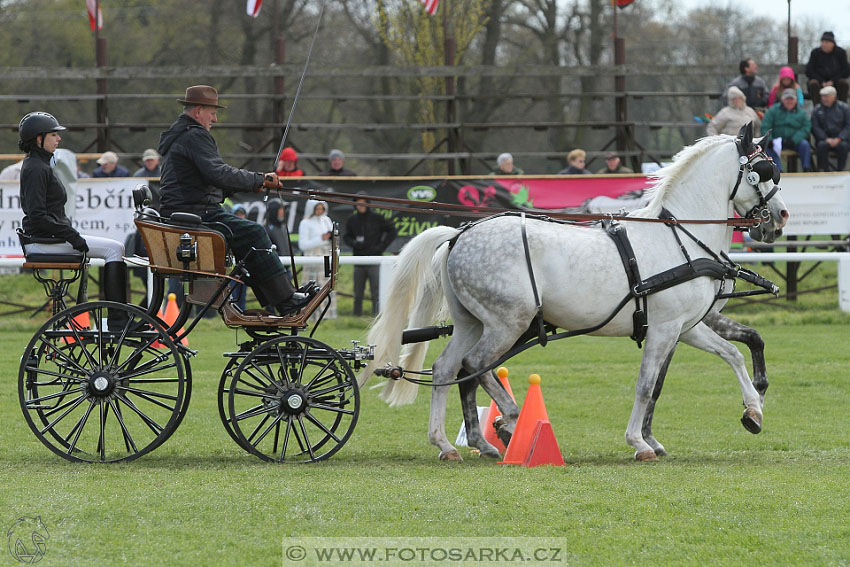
<point>841,150</point>
<point>361,274</point>
<point>841,85</point>
<point>803,149</point>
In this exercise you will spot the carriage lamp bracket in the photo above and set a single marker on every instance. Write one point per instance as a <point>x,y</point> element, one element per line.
<point>187,250</point>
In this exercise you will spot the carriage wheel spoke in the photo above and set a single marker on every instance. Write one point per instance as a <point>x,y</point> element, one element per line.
<point>259,426</point>
<point>319,378</point>
<point>306,439</point>
<point>250,412</point>
<point>59,352</point>
<point>47,372</point>
<point>282,362</point>
<point>266,432</point>
<point>269,380</point>
<point>151,397</point>
<point>61,394</point>
<point>147,368</point>
<point>340,387</point>
<point>332,408</point>
<point>101,442</point>
<point>321,426</point>
<point>128,439</point>
<point>154,426</point>
<point>76,402</point>
<point>79,428</point>
<point>285,439</point>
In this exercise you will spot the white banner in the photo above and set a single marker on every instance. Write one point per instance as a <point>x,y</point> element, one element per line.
<point>102,207</point>
<point>819,203</point>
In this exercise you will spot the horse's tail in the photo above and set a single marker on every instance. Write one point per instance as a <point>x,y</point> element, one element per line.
<point>415,283</point>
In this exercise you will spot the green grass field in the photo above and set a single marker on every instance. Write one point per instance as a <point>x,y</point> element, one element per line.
<point>723,496</point>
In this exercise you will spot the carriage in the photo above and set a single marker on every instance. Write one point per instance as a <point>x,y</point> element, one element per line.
<point>93,393</point>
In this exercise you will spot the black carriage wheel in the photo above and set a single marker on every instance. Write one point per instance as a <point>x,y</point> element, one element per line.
<point>293,399</point>
<point>96,395</point>
<point>223,391</point>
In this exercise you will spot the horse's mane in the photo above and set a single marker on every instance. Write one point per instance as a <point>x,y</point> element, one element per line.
<point>666,178</point>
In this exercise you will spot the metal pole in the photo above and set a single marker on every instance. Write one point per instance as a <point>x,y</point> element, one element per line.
<point>449,61</point>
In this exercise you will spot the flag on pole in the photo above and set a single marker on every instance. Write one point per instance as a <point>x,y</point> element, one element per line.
<point>92,7</point>
<point>253,7</point>
<point>430,6</point>
<point>624,3</point>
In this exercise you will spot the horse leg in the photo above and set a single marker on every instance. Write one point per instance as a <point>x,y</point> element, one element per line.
<point>660,342</point>
<point>734,331</point>
<point>646,430</point>
<point>474,436</point>
<point>703,338</point>
<point>507,406</point>
<point>445,368</point>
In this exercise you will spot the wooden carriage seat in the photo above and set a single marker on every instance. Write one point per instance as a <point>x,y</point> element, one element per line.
<point>205,272</point>
<point>43,266</point>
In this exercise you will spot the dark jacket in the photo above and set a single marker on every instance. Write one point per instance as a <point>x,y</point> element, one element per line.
<point>43,200</point>
<point>275,229</point>
<point>145,172</point>
<point>338,172</point>
<point>791,125</point>
<point>831,121</point>
<point>369,233</point>
<point>573,170</point>
<point>828,66</point>
<point>119,171</point>
<point>753,87</point>
<point>193,177</point>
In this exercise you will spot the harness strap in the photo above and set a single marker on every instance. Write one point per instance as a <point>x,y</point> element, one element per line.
<point>539,306</point>
<point>618,234</point>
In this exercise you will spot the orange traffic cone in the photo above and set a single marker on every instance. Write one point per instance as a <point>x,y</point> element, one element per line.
<point>81,321</point>
<point>171,313</point>
<point>490,431</point>
<point>533,410</point>
<point>544,447</point>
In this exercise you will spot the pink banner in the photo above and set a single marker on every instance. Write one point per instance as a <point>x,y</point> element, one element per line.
<point>560,193</point>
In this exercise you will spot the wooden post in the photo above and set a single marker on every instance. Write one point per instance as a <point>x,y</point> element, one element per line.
<point>279,85</point>
<point>103,136</point>
<point>620,104</point>
<point>451,104</point>
<point>793,46</point>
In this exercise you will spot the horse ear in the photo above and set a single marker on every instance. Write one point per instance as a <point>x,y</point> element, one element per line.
<point>745,135</point>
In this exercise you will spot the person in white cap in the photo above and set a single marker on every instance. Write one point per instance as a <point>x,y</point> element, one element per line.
<point>150,158</point>
<point>505,163</point>
<point>831,127</point>
<point>109,166</point>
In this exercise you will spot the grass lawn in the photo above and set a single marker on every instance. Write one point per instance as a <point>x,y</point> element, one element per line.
<point>723,496</point>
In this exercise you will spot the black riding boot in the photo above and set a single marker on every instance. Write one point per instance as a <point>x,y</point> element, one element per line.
<point>279,293</point>
<point>114,285</point>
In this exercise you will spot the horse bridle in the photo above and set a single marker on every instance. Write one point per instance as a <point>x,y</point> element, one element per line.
<point>756,171</point>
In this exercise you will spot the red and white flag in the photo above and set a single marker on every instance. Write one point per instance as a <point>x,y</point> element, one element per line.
<point>253,7</point>
<point>92,7</point>
<point>430,6</point>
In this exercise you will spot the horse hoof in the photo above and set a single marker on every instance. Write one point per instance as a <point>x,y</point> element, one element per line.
<point>661,451</point>
<point>752,420</point>
<point>644,456</point>
<point>452,455</point>
<point>490,453</point>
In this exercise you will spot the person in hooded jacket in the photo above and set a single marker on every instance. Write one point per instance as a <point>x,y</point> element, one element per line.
<point>314,239</point>
<point>786,80</point>
<point>43,198</point>
<point>287,164</point>
<point>195,179</point>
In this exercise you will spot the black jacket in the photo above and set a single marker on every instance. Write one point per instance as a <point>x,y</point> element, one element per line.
<point>43,199</point>
<point>338,172</point>
<point>369,233</point>
<point>828,66</point>
<point>831,121</point>
<point>194,178</point>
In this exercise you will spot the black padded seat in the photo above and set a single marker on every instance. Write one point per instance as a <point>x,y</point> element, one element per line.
<point>54,258</point>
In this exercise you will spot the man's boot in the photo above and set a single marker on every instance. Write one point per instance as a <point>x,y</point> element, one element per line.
<point>282,295</point>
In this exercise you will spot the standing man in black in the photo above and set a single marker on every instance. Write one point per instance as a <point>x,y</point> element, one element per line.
<point>828,67</point>
<point>196,180</point>
<point>369,234</point>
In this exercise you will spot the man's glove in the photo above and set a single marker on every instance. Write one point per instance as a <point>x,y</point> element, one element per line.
<point>79,243</point>
<point>271,181</point>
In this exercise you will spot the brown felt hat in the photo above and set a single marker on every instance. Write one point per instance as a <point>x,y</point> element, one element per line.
<point>204,95</point>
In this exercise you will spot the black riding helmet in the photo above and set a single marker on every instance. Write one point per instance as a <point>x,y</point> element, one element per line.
<point>35,124</point>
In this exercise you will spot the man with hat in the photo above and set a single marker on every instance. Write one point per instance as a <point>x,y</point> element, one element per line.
<point>195,179</point>
<point>109,167</point>
<point>368,234</point>
<point>828,67</point>
<point>150,158</point>
<point>336,162</point>
<point>831,127</point>
<point>613,165</point>
<point>790,124</point>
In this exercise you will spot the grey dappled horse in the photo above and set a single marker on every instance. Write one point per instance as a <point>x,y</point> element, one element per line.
<point>580,281</point>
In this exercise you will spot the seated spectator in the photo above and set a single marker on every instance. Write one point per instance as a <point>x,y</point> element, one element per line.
<point>831,127</point>
<point>314,239</point>
<point>828,67</point>
<point>576,159</point>
<point>336,160</point>
<point>792,126</point>
<point>613,165</point>
<point>150,158</point>
<point>287,164</point>
<point>753,86</point>
<point>730,119</point>
<point>786,80</point>
<point>109,166</point>
<point>505,163</point>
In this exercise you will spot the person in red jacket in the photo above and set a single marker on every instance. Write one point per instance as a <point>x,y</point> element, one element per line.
<point>287,164</point>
